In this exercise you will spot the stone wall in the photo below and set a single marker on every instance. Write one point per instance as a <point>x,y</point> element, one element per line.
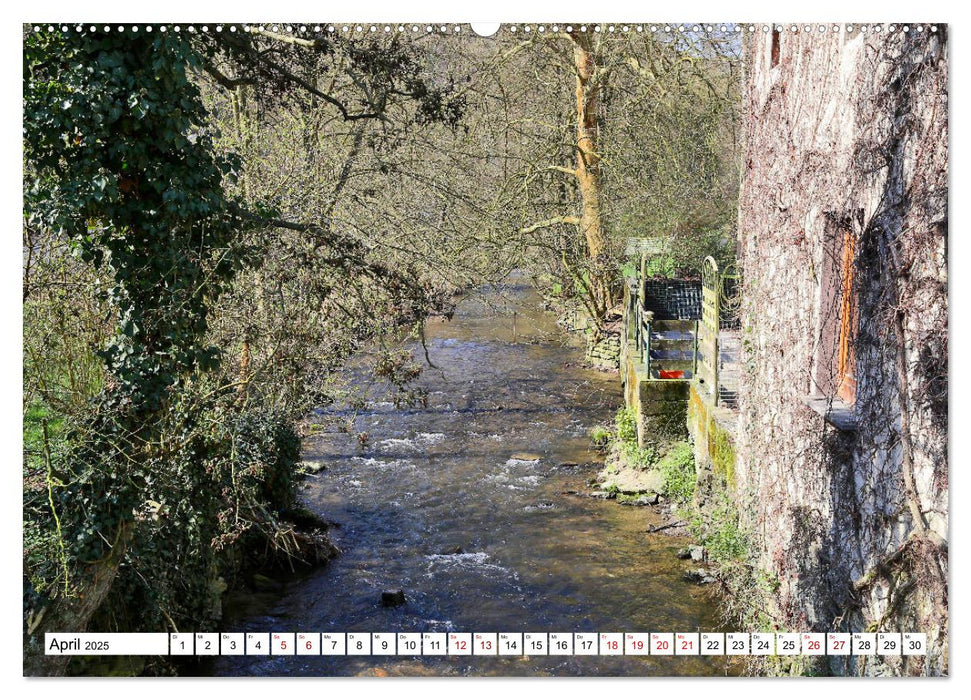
<point>603,346</point>
<point>712,436</point>
<point>604,350</point>
<point>851,129</point>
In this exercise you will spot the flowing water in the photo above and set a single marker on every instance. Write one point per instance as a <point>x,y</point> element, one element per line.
<point>434,504</point>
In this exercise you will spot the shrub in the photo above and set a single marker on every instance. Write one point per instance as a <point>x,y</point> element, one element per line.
<point>721,533</point>
<point>600,436</point>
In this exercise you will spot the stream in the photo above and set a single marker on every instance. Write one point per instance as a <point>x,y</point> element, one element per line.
<point>434,504</point>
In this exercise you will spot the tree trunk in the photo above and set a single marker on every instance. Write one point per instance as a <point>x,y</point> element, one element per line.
<point>72,615</point>
<point>588,166</point>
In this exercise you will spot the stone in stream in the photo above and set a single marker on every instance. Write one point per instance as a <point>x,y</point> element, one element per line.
<point>699,576</point>
<point>307,467</point>
<point>694,552</point>
<point>392,599</point>
<point>640,499</point>
<point>526,457</point>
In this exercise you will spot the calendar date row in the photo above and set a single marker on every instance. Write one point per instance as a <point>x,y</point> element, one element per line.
<point>490,644</point>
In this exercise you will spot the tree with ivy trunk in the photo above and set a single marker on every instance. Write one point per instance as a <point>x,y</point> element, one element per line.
<point>120,162</point>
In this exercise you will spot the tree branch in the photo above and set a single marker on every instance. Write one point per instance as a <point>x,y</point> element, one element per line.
<point>310,43</point>
<point>562,169</point>
<point>575,220</point>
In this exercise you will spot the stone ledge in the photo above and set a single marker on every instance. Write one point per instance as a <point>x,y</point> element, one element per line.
<point>837,413</point>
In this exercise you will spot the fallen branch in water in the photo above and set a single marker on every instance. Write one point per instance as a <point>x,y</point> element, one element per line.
<point>658,528</point>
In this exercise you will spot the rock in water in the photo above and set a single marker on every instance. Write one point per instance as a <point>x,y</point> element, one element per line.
<point>700,576</point>
<point>526,457</point>
<point>392,599</point>
<point>307,467</point>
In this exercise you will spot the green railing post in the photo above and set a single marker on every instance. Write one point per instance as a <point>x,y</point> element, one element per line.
<point>647,347</point>
<point>694,366</point>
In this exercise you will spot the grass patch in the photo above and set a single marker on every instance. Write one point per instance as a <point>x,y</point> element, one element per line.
<point>634,455</point>
<point>626,422</point>
<point>677,466</point>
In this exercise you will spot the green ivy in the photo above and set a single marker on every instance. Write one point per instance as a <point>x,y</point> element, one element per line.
<point>119,162</point>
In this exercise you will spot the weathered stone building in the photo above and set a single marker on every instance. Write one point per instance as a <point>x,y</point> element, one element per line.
<point>841,467</point>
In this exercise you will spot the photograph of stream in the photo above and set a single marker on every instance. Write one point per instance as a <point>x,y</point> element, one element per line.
<point>537,349</point>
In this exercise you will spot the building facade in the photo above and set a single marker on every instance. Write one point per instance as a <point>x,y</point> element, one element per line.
<point>841,469</point>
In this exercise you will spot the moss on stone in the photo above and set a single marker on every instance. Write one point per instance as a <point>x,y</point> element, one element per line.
<point>721,451</point>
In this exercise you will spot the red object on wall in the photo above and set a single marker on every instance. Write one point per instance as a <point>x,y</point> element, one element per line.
<point>670,374</point>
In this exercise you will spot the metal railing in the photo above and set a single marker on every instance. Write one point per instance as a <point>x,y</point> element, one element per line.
<point>708,327</point>
<point>678,349</point>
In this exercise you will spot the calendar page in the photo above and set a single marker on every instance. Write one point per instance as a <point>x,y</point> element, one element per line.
<point>548,348</point>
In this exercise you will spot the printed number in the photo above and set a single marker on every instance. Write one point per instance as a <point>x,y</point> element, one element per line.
<point>763,645</point>
<point>411,646</point>
<point>510,645</point>
<point>685,644</point>
<point>788,645</point>
<point>865,644</point>
<point>638,645</point>
<point>912,644</point>
<point>663,645</point>
<point>435,644</point>
<point>713,644</point>
<point>537,644</point>
<point>208,645</point>
<point>259,645</point>
<point>612,645</point>
<point>310,645</point>
<point>738,645</point>
<point>889,644</point>
<point>814,646</point>
<point>232,646</point>
<point>384,646</point>
<point>838,644</point>
<point>485,644</point>
<point>182,645</point>
<point>333,644</point>
<point>283,644</point>
<point>586,644</point>
<point>360,645</point>
<point>561,646</point>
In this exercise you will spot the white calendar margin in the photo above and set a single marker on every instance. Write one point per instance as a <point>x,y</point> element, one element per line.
<point>446,11</point>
